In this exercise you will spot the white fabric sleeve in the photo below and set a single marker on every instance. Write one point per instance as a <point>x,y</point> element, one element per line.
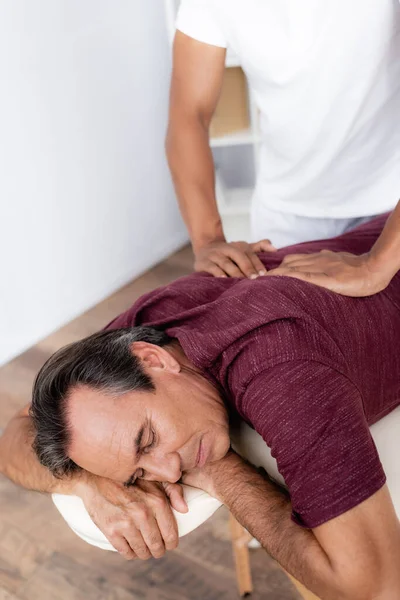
<point>196,19</point>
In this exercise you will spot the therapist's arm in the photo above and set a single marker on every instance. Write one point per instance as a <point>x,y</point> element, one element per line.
<point>352,557</point>
<point>346,273</point>
<point>197,76</point>
<point>385,254</point>
<point>196,84</point>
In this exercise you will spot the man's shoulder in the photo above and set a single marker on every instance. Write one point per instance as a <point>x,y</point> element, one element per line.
<point>166,301</point>
<point>312,418</point>
<point>278,344</point>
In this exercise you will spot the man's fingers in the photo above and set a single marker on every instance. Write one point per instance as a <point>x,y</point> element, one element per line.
<point>152,535</point>
<point>290,258</point>
<point>288,272</point>
<point>167,526</point>
<point>226,264</point>
<point>244,262</point>
<point>175,494</point>
<point>257,264</point>
<point>319,263</point>
<point>127,531</point>
<point>235,259</point>
<point>299,264</point>
<point>138,544</point>
<point>212,268</point>
<point>263,246</point>
<point>122,547</point>
<point>316,278</point>
<point>239,264</point>
<point>301,268</point>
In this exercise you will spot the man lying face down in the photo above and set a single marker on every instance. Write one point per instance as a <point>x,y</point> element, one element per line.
<point>149,399</point>
<point>127,404</point>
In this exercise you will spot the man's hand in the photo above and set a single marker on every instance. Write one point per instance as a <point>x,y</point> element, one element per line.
<point>138,521</point>
<point>340,272</point>
<point>234,259</point>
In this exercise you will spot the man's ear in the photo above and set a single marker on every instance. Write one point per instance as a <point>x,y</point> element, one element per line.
<point>155,357</point>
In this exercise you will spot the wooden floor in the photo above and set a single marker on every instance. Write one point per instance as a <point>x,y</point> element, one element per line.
<point>41,559</point>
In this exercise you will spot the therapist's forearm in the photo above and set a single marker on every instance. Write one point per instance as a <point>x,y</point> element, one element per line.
<point>264,510</point>
<point>19,463</point>
<point>385,254</point>
<point>192,167</point>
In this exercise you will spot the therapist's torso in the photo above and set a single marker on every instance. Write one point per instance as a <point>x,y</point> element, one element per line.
<point>326,77</point>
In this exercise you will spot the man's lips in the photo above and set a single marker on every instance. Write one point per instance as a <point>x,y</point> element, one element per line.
<point>201,455</point>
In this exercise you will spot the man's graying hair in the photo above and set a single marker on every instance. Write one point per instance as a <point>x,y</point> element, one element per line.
<point>103,361</point>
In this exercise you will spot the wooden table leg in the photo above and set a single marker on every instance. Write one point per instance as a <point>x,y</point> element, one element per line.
<point>240,539</point>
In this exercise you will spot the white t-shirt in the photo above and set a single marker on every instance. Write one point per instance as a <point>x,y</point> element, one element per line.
<point>326,78</point>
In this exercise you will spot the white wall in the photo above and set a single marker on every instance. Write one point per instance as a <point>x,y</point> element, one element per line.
<point>86,201</point>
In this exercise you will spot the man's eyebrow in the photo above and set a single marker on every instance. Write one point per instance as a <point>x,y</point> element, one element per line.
<point>138,440</point>
<point>137,444</point>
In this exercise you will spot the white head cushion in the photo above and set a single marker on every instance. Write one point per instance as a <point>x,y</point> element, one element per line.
<point>201,506</point>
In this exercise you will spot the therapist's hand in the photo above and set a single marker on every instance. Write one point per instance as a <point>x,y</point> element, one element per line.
<point>138,521</point>
<point>233,259</point>
<point>340,272</point>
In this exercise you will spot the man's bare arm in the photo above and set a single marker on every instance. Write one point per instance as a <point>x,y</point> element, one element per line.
<point>19,463</point>
<point>352,557</point>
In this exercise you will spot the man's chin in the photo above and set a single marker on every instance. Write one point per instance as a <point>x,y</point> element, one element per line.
<point>221,451</point>
<point>215,448</point>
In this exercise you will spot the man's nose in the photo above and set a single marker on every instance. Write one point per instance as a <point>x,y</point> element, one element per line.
<point>163,468</point>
